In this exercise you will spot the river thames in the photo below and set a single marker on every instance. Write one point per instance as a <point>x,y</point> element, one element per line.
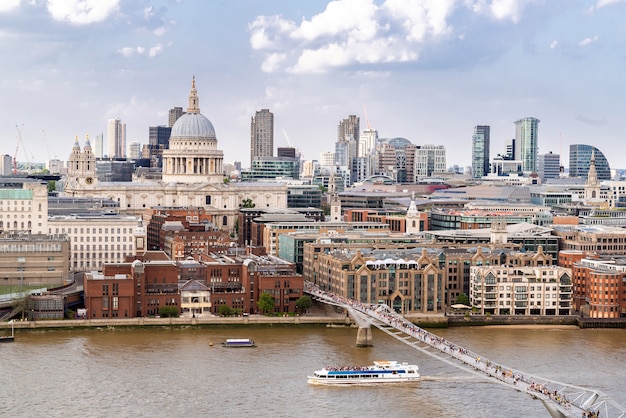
<point>186,373</point>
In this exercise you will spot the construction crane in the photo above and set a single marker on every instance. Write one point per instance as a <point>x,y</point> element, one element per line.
<point>17,147</point>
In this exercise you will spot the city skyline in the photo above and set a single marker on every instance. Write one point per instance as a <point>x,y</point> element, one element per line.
<point>427,70</point>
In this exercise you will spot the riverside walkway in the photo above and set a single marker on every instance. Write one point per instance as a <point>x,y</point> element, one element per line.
<point>560,399</point>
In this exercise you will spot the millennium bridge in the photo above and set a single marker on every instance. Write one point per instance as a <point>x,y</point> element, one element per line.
<point>560,399</point>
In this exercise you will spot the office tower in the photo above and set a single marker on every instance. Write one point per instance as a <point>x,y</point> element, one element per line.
<point>134,150</point>
<point>6,165</point>
<point>580,161</point>
<point>158,140</point>
<point>98,149</point>
<point>526,135</point>
<point>480,151</point>
<point>174,114</point>
<point>429,159</point>
<point>509,149</point>
<point>548,166</point>
<point>327,158</point>
<point>262,134</point>
<point>116,139</point>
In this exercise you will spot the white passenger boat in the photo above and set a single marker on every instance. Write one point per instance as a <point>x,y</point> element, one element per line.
<point>239,342</point>
<point>380,372</point>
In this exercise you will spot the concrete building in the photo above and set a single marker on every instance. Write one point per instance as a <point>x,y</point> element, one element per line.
<point>429,160</point>
<point>97,239</point>
<point>518,290</point>
<point>262,135</point>
<point>28,260</point>
<point>480,151</point>
<point>23,206</point>
<point>134,150</point>
<point>116,139</point>
<point>548,166</point>
<point>6,165</point>
<point>173,115</point>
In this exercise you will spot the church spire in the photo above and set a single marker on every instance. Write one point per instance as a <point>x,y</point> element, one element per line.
<point>194,103</point>
<point>592,175</point>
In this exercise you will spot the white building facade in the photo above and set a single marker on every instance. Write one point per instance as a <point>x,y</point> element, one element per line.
<point>508,290</point>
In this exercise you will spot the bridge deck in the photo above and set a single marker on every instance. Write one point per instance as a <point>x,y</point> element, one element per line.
<point>560,399</point>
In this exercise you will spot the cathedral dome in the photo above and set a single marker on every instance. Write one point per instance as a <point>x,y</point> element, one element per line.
<point>193,126</point>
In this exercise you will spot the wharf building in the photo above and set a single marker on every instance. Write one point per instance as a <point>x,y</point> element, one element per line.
<point>600,286</point>
<point>132,289</point>
<point>420,280</point>
<point>28,260</point>
<point>192,176</point>
<point>516,290</point>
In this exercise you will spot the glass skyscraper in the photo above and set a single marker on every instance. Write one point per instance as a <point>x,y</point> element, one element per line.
<point>480,151</point>
<point>526,135</point>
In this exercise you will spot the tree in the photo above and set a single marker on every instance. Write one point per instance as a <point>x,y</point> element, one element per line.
<point>463,299</point>
<point>52,185</point>
<point>168,312</point>
<point>225,310</point>
<point>303,303</point>
<point>266,302</point>
<point>247,203</point>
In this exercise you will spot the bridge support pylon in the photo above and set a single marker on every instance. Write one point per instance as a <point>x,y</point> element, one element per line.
<point>364,337</point>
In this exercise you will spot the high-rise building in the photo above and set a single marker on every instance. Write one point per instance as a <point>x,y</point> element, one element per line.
<point>116,139</point>
<point>134,150</point>
<point>286,152</point>
<point>429,159</point>
<point>262,134</point>
<point>526,145</point>
<point>6,165</point>
<point>548,166</point>
<point>174,114</point>
<point>98,149</point>
<point>580,161</point>
<point>158,140</point>
<point>480,151</point>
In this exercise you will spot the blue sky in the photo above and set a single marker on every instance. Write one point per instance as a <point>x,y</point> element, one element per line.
<point>426,70</point>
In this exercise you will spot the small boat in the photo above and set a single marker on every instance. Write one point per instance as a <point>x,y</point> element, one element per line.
<point>381,372</point>
<point>239,342</point>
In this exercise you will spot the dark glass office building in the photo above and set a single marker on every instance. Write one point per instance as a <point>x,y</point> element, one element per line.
<point>579,161</point>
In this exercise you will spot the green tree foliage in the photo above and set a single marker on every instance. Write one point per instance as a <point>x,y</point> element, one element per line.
<point>266,302</point>
<point>463,299</point>
<point>303,303</point>
<point>52,185</point>
<point>247,203</point>
<point>168,312</point>
<point>225,310</point>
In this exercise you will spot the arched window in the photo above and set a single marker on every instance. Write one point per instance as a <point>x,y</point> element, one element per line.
<point>225,220</point>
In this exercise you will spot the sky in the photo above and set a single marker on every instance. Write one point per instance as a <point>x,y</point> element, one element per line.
<point>425,70</point>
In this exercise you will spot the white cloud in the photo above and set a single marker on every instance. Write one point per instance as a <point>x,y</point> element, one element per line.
<point>8,5</point>
<point>500,9</point>
<point>140,50</point>
<point>554,44</point>
<point>82,12</point>
<point>588,41</point>
<point>351,32</point>
<point>603,3</point>
<point>272,62</point>
<point>160,31</point>
<point>155,50</point>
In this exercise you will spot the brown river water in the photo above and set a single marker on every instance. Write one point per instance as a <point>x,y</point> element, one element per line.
<point>186,373</point>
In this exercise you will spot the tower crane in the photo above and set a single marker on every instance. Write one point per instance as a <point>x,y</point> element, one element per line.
<point>17,147</point>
